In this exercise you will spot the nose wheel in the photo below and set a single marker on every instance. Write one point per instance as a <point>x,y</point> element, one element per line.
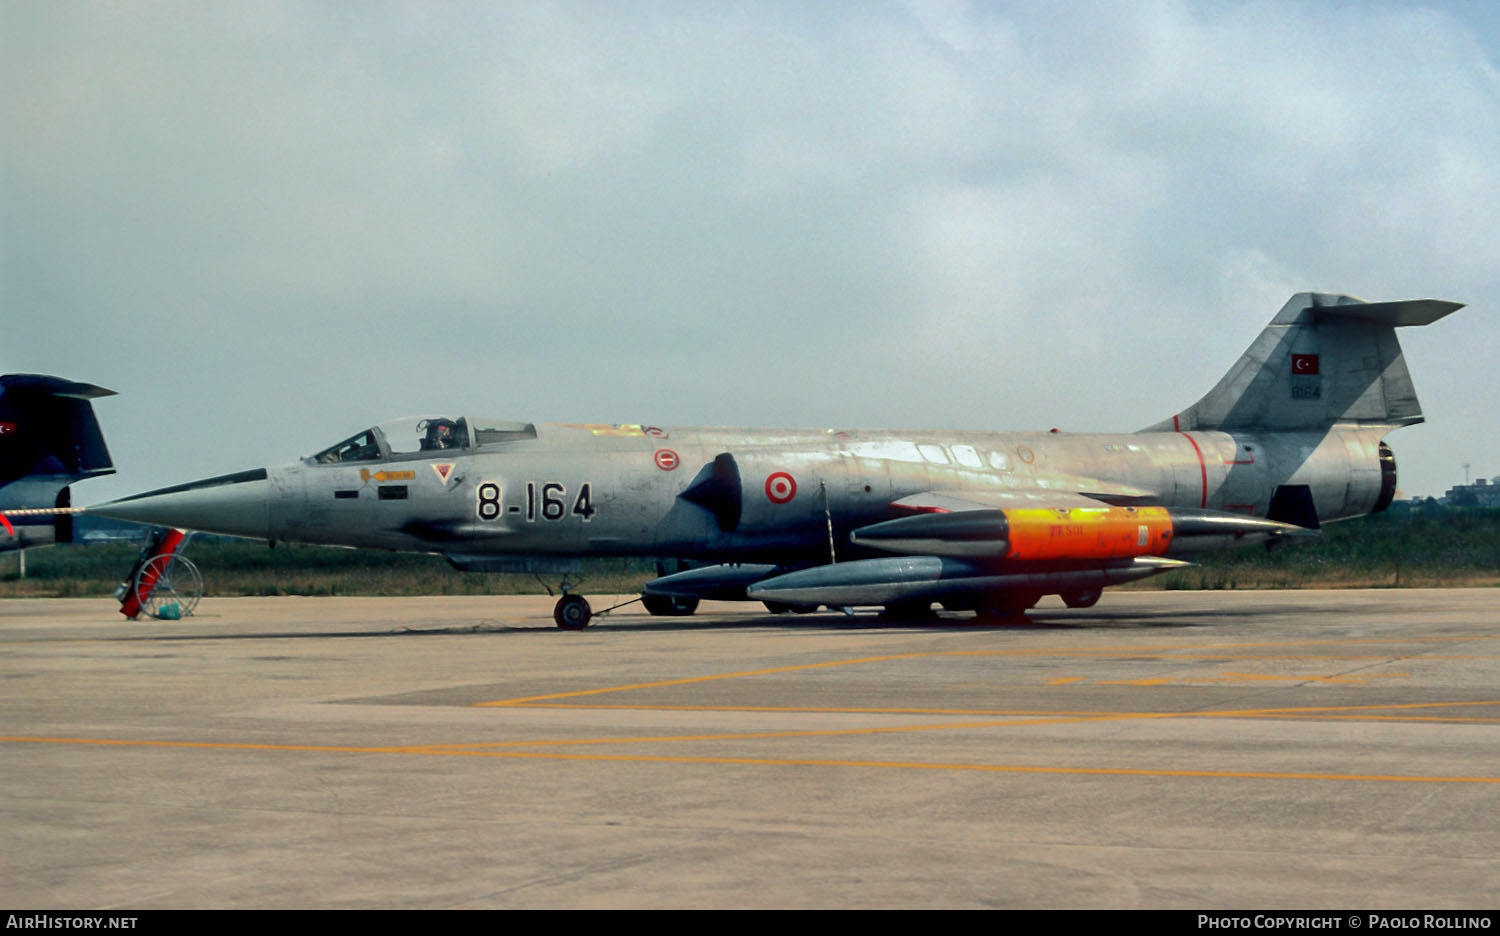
<point>572,612</point>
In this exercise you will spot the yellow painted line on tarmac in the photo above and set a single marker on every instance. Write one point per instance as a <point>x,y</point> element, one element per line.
<point>1234,657</point>
<point>1024,719</point>
<point>737,675</point>
<point>783,762</point>
<point>1016,718</point>
<point>224,745</point>
<point>1350,680</point>
<point>1044,713</point>
<point>1455,720</point>
<point>1139,652</point>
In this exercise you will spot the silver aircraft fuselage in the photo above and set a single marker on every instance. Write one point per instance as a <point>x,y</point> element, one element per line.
<point>579,490</point>
<point>1290,438</point>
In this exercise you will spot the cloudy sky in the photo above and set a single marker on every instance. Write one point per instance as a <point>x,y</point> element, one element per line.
<point>270,225</point>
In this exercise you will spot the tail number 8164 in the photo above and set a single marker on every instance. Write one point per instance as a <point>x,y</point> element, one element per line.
<point>546,501</point>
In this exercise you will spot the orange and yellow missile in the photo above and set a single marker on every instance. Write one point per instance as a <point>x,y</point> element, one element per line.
<point>1102,532</point>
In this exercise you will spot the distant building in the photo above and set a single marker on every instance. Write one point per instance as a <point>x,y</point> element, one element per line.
<point>1482,493</point>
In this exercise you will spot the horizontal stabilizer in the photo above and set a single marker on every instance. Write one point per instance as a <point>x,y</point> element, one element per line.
<point>1395,314</point>
<point>54,386</point>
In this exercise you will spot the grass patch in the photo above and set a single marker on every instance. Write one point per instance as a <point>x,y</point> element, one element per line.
<point>252,569</point>
<point>1430,547</point>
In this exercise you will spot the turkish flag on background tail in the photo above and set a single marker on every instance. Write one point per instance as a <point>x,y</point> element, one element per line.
<point>1304,364</point>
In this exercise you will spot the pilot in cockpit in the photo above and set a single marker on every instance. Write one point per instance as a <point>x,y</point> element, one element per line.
<point>441,434</point>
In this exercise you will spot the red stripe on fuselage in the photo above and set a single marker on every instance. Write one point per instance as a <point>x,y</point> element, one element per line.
<point>1202,466</point>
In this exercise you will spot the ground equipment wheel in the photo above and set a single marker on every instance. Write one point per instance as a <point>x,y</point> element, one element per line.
<point>572,612</point>
<point>168,587</point>
<point>670,605</point>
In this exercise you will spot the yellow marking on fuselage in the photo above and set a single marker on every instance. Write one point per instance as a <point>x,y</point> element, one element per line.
<point>366,474</point>
<point>626,430</point>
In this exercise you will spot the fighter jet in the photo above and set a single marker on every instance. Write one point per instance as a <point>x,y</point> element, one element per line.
<point>1290,438</point>
<point>49,438</point>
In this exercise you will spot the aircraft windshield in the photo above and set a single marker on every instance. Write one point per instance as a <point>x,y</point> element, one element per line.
<point>360,448</point>
<point>425,434</point>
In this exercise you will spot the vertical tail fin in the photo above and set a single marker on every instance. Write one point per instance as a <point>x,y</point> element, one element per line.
<point>49,438</point>
<point>48,428</point>
<point>1323,359</point>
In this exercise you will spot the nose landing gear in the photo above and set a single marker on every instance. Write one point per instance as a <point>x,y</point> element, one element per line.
<point>572,612</point>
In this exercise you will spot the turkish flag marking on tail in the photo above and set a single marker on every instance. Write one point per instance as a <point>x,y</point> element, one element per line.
<point>1304,364</point>
<point>7,429</point>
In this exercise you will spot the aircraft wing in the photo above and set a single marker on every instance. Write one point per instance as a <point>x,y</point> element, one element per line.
<point>968,547</point>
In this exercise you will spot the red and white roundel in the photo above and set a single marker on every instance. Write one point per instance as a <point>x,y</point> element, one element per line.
<point>666,459</point>
<point>781,487</point>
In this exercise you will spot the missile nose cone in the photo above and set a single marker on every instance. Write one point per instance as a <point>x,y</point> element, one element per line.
<point>236,504</point>
<point>1194,522</point>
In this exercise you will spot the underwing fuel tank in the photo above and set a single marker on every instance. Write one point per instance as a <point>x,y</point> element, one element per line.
<point>1016,550</point>
<point>726,582</point>
<point>905,578</point>
<point>1081,533</point>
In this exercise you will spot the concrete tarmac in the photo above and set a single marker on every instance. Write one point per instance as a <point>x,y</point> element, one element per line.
<point>1321,750</point>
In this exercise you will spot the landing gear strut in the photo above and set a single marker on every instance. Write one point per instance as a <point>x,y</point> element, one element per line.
<point>1007,606</point>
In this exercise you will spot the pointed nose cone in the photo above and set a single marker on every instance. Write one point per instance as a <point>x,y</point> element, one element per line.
<point>235,504</point>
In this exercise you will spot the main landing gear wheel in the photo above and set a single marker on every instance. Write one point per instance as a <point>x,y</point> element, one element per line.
<point>1007,606</point>
<point>572,612</point>
<point>669,605</point>
<point>908,611</point>
<point>168,587</point>
<point>1082,597</point>
<point>784,607</point>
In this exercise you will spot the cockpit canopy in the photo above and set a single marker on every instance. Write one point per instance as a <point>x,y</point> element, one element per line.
<point>423,436</point>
